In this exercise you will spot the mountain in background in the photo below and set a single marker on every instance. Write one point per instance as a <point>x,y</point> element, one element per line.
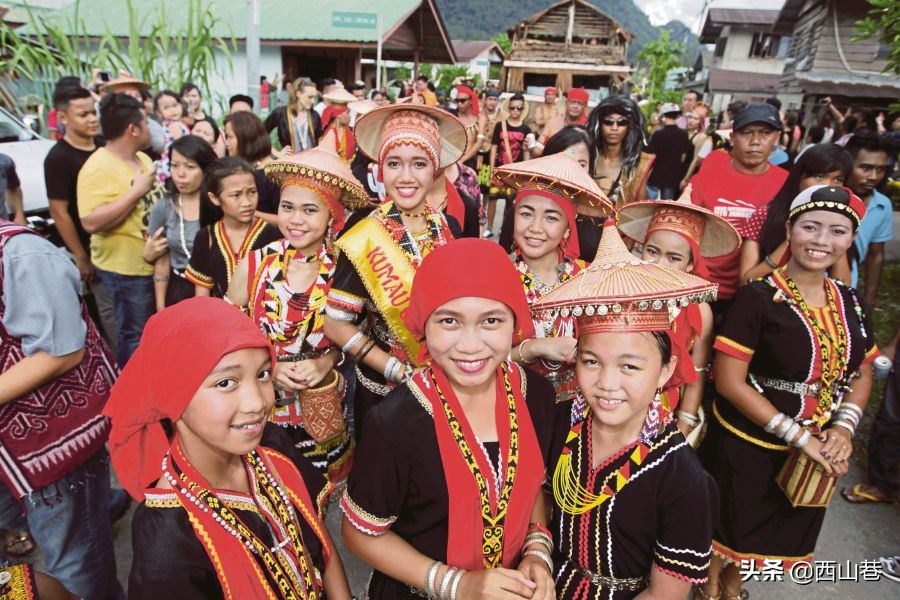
<point>477,20</point>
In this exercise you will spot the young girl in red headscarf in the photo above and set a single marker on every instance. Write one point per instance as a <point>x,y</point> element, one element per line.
<point>680,235</point>
<point>445,496</point>
<point>546,247</point>
<point>222,514</point>
<point>380,254</point>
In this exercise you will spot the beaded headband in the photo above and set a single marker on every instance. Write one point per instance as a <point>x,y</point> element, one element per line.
<point>411,127</point>
<point>830,198</point>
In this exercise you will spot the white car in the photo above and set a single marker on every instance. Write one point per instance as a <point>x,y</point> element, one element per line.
<point>28,150</point>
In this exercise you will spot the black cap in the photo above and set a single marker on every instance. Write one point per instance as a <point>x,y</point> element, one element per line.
<point>492,93</point>
<point>758,112</point>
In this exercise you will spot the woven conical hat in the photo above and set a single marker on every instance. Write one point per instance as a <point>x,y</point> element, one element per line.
<point>557,172</point>
<point>453,133</point>
<point>123,79</point>
<point>339,96</point>
<point>322,165</point>
<point>719,236</point>
<point>618,281</point>
<point>362,107</point>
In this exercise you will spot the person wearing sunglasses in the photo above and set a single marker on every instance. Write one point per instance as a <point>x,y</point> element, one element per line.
<point>508,145</point>
<point>621,167</point>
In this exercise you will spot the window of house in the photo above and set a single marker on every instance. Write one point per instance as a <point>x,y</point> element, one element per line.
<point>720,47</point>
<point>764,45</point>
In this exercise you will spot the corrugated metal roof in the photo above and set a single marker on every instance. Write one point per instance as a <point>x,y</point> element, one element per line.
<point>279,19</point>
<point>467,50</point>
<point>721,80</point>
<point>743,16</point>
<point>849,84</point>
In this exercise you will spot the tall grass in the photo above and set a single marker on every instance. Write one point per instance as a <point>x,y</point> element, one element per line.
<point>165,57</point>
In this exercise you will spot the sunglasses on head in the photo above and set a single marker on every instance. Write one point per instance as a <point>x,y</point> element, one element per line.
<point>619,122</point>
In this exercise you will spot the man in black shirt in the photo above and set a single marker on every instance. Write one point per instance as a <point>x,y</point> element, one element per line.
<point>77,111</point>
<point>673,152</point>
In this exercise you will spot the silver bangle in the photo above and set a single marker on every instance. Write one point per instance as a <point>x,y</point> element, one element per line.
<point>802,440</point>
<point>389,367</point>
<point>430,576</point>
<point>457,577</point>
<point>445,582</point>
<point>774,422</point>
<point>352,341</point>
<point>542,555</point>
<point>851,407</point>
<point>846,426</point>
<point>541,537</point>
<point>692,420</point>
<point>792,432</point>
<point>847,416</point>
<point>783,427</point>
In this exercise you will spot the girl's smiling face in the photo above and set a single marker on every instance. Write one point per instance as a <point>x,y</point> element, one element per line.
<point>408,173</point>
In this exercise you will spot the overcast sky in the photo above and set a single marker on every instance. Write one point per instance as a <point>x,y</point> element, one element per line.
<point>690,12</point>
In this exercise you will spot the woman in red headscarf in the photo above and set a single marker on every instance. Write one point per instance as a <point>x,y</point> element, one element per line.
<point>680,235</point>
<point>221,514</point>
<point>545,254</point>
<point>381,253</point>
<point>445,498</point>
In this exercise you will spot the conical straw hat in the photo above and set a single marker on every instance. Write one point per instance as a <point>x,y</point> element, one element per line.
<point>559,173</point>
<point>719,237</point>
<point>339,96</point>
<point>123,79</point>
<point>623,286</point>
<point>324,169</point>
<point>453,133</point>
<point>362,107</point>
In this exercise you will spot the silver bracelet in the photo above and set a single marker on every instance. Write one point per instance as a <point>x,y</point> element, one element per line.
<point>792,432</point>
<point>849,406</point>
<point>445,582</point>
<point>847,416</point>
<point>352,341</point>
<point>692,420</point>
<point>389,368</point>
<point>541,538</point>
<point>454,585</point>
<point>846,426</point>
<point>542,555</point>
<point>430,576</point>
<point>783,427</point>
<point>802,440</point>
<point>774,422</point>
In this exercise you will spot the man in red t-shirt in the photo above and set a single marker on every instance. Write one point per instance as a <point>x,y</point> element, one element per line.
<point>735,188</point>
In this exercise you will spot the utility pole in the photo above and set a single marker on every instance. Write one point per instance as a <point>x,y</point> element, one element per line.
<point>252,42</point>
<point>378,54</point>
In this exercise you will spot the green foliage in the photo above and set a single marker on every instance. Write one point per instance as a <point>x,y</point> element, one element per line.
<point>883,22</point>
<point>153,51</point>
<point>403,73</point>
<point>502,40</point>
<point>447,74</point>
<point>660,56</point>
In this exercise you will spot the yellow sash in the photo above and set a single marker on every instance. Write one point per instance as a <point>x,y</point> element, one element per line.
<point>387,274</point>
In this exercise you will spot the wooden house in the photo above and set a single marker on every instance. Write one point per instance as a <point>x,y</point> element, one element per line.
<point>571,44</point>
<point>823,61</point>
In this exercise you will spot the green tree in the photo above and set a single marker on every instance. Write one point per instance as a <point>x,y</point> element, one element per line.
<point>660,56</point>
<point>154,51</point>
<point>883,22</point>
<point>502,40</point>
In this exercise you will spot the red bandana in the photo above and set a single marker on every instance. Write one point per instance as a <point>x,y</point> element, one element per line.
<point>178,349</point>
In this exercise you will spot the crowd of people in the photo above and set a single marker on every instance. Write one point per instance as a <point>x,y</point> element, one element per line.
<point>640,377</point>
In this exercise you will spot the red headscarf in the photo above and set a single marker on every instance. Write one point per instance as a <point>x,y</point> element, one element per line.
<point>178,349</point>
<point>331,112</point>
<point>443,277</point>
<point>569,245</point>
<point>473,99</point>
